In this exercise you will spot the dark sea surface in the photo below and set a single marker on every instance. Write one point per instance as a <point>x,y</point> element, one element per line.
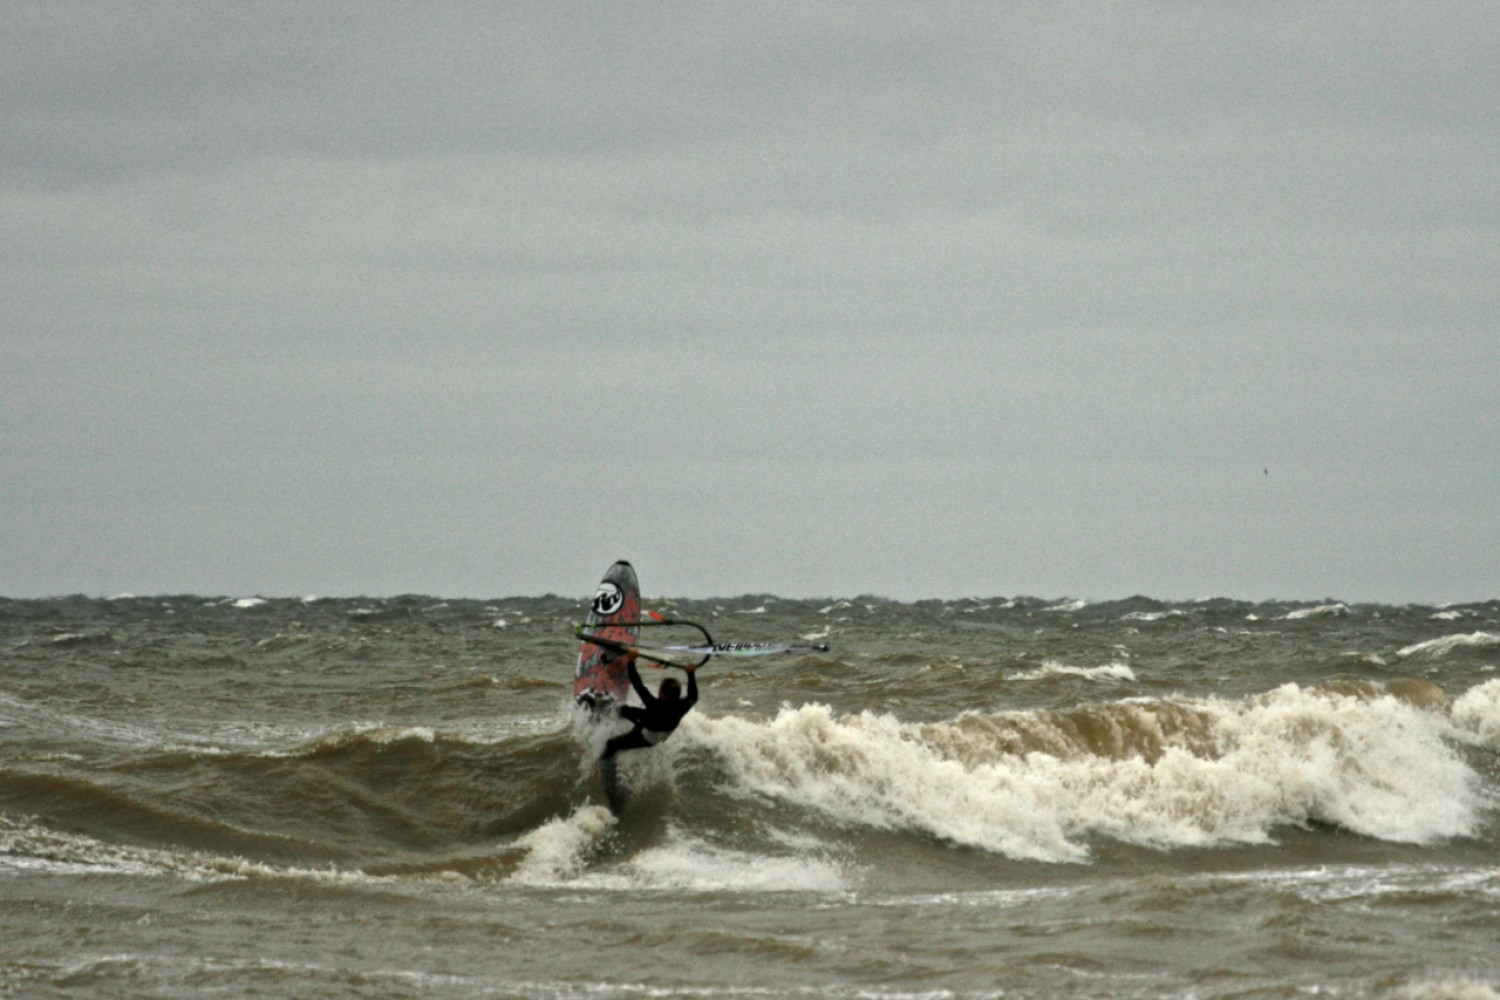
<point>210,797</point>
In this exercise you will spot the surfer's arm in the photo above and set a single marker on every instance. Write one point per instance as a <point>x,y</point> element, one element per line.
<point>692,691</point>
<point>647,698</point>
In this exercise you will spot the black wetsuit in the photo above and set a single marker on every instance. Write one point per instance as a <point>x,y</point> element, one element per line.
<point>655,721</point>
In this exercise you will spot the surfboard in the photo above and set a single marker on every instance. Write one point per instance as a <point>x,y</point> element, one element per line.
<point>600,682</point>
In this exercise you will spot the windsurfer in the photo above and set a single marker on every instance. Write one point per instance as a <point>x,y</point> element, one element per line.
<point>658,715</point>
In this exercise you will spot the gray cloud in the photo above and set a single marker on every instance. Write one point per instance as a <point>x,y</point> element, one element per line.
<point>922,300</point>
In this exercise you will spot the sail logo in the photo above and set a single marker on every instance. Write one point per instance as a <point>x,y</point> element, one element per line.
<point>607,599</point>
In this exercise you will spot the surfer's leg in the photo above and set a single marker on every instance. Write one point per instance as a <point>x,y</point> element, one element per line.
<point>632,740</point>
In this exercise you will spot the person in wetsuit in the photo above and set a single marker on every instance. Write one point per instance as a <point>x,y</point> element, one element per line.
<point>659,714</point>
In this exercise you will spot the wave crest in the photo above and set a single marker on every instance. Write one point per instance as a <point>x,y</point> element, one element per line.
<point>1037,784</point>
<point>1448,643</point>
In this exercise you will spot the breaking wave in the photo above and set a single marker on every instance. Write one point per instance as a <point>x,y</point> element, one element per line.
<point>1039,784</point>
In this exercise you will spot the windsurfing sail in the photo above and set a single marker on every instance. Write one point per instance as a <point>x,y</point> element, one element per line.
<point>600,683</point>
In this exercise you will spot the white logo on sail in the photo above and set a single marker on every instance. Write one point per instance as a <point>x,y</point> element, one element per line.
<point>608,599</point>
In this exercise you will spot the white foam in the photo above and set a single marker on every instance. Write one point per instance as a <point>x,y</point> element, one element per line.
<point>47,719</point>
<point>248,602</point>
<point>387,735</point>
<point>64,638</point>
<point>1476,714</point>
<point>1052,668</point>
<point>1375,766</point>
<point>1448,643</point>
<point>871,770</point>
<point>1340,883</point>
<point>28,846</point>
<point>558,849</point>
<point>998,899</point>
<point>1320,611</point>
<point>1153,616</point>
<point>1078,605</point>
<point>692,865</point>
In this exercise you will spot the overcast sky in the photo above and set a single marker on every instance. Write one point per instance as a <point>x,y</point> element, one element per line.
<point>821,299</point>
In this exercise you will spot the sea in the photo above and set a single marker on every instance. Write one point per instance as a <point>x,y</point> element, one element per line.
<point>254,797</point>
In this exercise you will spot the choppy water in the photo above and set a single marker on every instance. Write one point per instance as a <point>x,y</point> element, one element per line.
<point>354,798</point>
